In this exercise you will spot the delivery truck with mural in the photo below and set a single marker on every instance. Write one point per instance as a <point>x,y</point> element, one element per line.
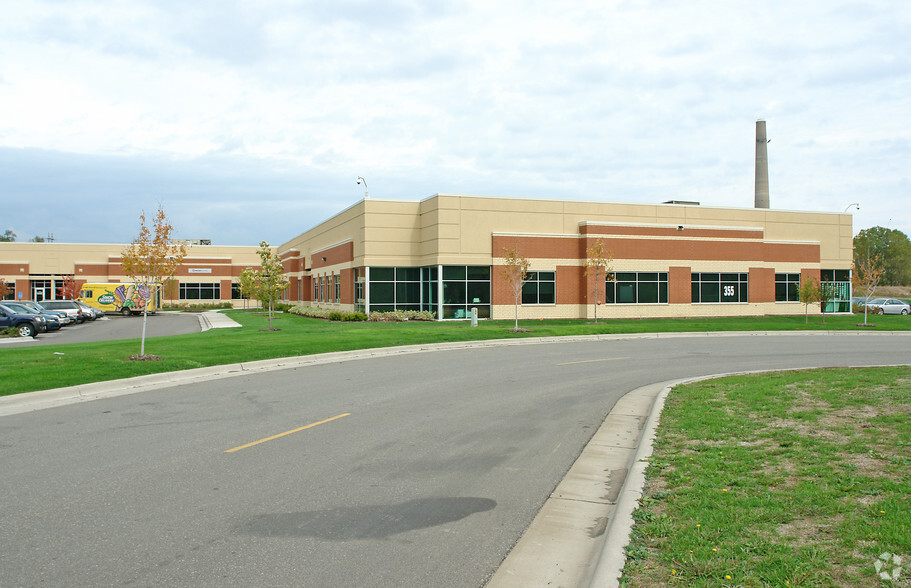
<point>125,299</point>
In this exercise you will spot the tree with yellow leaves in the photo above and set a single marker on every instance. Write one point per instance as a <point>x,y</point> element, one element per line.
<point>599,264</point>
<point>866,275</point>
<point>515,272</point>
<point>150,260</point>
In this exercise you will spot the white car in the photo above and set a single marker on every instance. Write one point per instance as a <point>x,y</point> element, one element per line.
<point>888,306</point>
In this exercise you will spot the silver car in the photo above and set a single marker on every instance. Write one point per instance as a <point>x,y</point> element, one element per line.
<point>90,312</point>
<point>68,306</point>
<point>888,306</point>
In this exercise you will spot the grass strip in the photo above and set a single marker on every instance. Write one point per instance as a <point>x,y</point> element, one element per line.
<point>783,479</point>
<point>43,367</point>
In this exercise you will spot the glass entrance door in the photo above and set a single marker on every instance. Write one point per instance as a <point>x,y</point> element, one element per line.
<point>41,290</point>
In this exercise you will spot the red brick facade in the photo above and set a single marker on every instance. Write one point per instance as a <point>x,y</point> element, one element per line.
<point>716,246</point>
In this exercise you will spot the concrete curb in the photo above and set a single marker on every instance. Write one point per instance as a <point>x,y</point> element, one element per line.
<point>610,562</point>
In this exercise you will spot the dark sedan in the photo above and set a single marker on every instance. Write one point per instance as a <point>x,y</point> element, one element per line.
<point>47,320</point>
<point>24,323</point>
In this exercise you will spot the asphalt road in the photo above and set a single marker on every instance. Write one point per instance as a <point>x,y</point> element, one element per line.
<point>431,468</point>
<point>114,327</point>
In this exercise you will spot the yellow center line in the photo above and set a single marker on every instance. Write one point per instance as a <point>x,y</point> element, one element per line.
<point>273,437</point>
<point>592,360</point>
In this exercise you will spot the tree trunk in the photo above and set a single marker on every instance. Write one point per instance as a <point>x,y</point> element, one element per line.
<point>142,344</point>
<point>517,294</point>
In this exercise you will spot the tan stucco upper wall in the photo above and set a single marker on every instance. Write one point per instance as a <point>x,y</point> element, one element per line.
<point>449,228</point>
<point>473,219</point>
<point>453,229</point>
<point>348,224</point>
<point>62,258</point>
<point>57,258</point>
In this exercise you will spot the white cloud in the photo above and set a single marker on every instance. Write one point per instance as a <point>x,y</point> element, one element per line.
<point>632,101</point>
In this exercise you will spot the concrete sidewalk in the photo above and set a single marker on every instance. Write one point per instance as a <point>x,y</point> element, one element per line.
<point>214,319</point>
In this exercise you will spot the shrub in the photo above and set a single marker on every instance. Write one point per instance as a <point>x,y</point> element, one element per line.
<point>10,332</point>
<point>326,313</point>
<point>402,315</point>
<point>311,311</point>
<point>195,306</point>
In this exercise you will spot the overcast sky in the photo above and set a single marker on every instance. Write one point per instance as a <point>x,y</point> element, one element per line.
<point>252,120</point>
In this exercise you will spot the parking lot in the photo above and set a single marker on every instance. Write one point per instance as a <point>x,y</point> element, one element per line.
<point>114,327</point>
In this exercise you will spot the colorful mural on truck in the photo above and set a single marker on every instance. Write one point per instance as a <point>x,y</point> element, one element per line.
<point>122,298</point>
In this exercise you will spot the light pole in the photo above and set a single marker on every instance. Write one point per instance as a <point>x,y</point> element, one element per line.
<point>854,204</point>
<point>366,193</point>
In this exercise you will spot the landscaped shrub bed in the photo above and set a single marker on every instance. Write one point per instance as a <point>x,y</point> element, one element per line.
<point>196,306</point>
<point>343,316</point>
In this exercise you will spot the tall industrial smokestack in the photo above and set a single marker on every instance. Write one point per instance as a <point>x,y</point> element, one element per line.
<point>762,166</point>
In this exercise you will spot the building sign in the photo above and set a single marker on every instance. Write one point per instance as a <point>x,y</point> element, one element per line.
<point>200,270</point>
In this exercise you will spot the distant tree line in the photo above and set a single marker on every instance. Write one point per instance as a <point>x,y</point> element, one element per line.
<point>9,236</point>
<point>891,247</point>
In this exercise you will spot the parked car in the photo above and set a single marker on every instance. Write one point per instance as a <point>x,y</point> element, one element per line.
<point>68,306</point>
<point>63,317</point>
<point>91,313</point>
<point>26,323</point>
<point>888,306</point>
<point>46,321</point>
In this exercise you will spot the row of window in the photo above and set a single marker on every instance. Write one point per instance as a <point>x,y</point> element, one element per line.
<point>464,287</point>
<point>712,287</point>
<point>419,288</point>
<point>652,287</point>
<point>327,288</point>
<point>406,289</point>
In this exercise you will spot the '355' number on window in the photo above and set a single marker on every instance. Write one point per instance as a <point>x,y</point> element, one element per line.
<point>728,291</point>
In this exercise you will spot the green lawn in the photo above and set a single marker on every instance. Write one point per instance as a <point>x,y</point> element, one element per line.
<point>782,479</point>
<point>31,368</point>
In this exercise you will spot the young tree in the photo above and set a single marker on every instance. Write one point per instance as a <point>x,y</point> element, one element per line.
<point>809,293</point>
<point>599,264</point>
<point>249,283</point>
<point>5,290</point>
<point>8,235</point>
<point>866,275</point>
<point>68,289</point>
<point>515,272</point>
<point>170,288</point>
<point>272,282</point>
<point>150,260</point>
<point>827,293</point>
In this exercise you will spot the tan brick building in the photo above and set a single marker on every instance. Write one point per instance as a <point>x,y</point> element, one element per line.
<point>35,271</point>
<point>445,254</point>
